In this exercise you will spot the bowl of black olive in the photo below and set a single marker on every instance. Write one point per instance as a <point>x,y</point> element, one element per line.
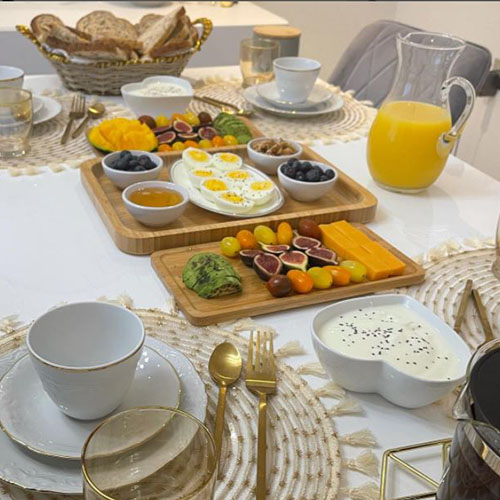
<point>124,168</point>
<point>306,180</point>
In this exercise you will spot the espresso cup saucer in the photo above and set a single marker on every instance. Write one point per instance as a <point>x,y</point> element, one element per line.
<point>50,109</point>
<point>270,93</point>
<point>38,104</point>
<point>29,417</point>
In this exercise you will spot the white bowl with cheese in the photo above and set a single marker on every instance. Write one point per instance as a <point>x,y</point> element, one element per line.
<point>158,95</point>
<point>391,345</point>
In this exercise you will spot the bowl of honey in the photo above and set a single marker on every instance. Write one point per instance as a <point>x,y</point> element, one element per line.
<point>155,203</point>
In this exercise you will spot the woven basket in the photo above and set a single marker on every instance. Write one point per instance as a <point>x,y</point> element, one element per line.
<point>106,78</point>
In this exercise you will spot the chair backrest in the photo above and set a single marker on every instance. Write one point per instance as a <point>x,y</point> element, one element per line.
<point>368,65</point>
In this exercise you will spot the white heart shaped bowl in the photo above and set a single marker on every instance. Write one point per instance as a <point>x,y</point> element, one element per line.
<point>307,191</point>
<point>157,105</point>
<point>123,179</point>
<point>268,163</point>
<point>379,376</point>
<point>155,216</point>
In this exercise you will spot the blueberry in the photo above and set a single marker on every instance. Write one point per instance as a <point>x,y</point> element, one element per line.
<point>125,153</point>
<point>312,175</point>
<point>323,178</point>
<point>296,163</point>
<point>150,164</point>
<point>307,164</point>
<point>139,168</point>
<point>300,176</point>
<point>133,163</point>
<point>143,158</point>
<point>288,170</point>
<point>121,164</point>
<point>291,161</point>
<point>330,174</point>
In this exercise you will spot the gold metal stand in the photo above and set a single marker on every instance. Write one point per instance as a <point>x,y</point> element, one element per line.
<point>392,455</point>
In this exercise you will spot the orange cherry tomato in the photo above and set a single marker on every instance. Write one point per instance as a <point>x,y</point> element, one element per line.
<point>191,144</point>
<point>163,148</point>
<point>284,234</point>
<point>218,141</point>
<point>341,276</point>
<point>301,281</point>
<point>178,116</point>
<point>247,240</point>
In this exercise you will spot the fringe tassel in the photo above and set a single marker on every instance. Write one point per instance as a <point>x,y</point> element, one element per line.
<point>30,170</point>
<point>312,369</point>
<point>122,300</point>
<point>56,167</point>
<point>367,491</point>
<point>366,462</point>
<point>330,390</point>
<point>346,407</point>
<point>248,324</point>
<point>14,172</point>
<point>364,437</point>
<point>292,348</point>
<point>9,323</point>
<point>172,306</point>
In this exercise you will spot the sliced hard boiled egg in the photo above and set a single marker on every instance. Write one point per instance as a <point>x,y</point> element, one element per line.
<point>197,175</point>
<point>226,161</point>
<point>233,202</point>
<point>238,178</point>
<point>259,192</point>
<point>212,186</point>
<point>196,158</point>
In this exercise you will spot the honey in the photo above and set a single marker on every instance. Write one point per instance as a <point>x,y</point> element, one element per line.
<point>155,197</point>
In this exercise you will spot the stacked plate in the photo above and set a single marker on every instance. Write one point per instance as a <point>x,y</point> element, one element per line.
<point>41,446</point>
<point>267,98</point>
<point>44,109</point>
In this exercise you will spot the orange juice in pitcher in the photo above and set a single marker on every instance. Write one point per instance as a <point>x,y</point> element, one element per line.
<point>412,134</point>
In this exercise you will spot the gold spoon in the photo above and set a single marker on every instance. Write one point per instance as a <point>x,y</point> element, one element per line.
<point>225,107</point>
<point>224,367</point>
<point>94,111</point>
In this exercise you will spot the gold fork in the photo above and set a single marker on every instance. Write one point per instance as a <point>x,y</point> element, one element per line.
<point>77,111</point>
<point>261,379</point>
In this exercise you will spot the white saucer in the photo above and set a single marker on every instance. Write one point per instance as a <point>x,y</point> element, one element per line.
<point>28,470</point>
<point>50,109</point>
<point>37,104</point>
<point>30,417</point>
<point>270,93</point>
<point>334,104</point>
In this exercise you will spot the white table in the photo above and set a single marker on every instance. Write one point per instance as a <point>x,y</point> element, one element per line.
<point>54,247</point>
<point>230,26</point>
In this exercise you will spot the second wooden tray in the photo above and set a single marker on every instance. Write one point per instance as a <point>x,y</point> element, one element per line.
<point>346,200</point>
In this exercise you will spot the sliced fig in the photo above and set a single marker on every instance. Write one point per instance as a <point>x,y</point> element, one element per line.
<point>247,256</point>
<point>161,130</point>
<point>267,265</point>
<point>182,127</point>
<point>167,137</point>
<point>294,260</point>
<point>275,249</point>
<point>207,133</point>
<point>303,243</point>
<point>321,257</point>
<point>188,137</point>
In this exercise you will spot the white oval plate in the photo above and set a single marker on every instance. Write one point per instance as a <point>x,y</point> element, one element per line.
<point>31,471</point>
<point>334,104</point>
<point>50,109</point>
<point>270,93</point>
<point>179,175</point>
<point>31,418</point>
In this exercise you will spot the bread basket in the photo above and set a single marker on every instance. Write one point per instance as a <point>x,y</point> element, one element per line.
<point>106,78</point>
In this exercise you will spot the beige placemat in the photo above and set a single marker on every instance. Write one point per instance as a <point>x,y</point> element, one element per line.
<point>349,123</point>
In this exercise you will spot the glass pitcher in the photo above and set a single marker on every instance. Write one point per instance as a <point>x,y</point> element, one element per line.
<point>412,134</point>
<point>473,470</point>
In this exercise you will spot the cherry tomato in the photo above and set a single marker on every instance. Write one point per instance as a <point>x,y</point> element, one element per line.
<point>218,141</point>
<point>205,144</point>
<point>341,276</point>
<point>230,140</point>
<point>322,278</point>
<point>356,269</point>
<point>301,281</point>
<point>162,121</point>
<point>230,246</point>
<point>285,234</point>
<point>178,146</point>
<point>247,240</point>
<point>178,116</point>
<point>191,118</point>
<point>191,144</point>
<point>163,148</point>
<point>266,235</point>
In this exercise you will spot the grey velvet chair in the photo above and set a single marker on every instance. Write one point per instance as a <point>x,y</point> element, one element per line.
<point>368,65</point>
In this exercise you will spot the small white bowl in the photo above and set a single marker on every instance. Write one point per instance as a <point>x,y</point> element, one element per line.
<point>122,179</point>
<point>157,105</point>
<point>155,216</point>
<point>378,376</point>
<point>268,163</point>
<point>307,191</point>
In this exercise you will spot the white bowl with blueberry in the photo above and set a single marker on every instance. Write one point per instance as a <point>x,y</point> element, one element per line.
<point>124,168</point>
<point>306,180</point>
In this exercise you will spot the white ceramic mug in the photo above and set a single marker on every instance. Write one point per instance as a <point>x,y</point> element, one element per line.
<point>86,356</point>
<point>10,76</point>
<point>295,77</point>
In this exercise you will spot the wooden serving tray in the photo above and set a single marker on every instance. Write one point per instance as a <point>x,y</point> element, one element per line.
<point>346,200</point>
<point>255,299</point>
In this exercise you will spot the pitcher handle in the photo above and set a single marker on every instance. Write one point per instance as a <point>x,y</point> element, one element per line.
<point>470,97</point>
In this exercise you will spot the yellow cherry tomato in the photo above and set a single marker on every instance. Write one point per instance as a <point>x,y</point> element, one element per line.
<point>322,278</point>
<point>164,148</point>
<point>230,140</point>
<point>191,118</point>
<point>356,269</point>
<point>230,246</point>
<point>178,146</point>
<point>178,116</point>
<point>162,121</point>
<point>205,144</point>
<point>265,235</point>
<point>285,234</point>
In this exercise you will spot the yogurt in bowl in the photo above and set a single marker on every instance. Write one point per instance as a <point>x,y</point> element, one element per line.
<point>391,345</point>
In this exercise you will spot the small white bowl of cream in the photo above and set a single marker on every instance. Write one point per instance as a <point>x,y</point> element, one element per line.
<point>391,345</point>
<point>158,95</point>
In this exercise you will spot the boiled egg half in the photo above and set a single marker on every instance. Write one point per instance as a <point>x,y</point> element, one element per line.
<point>226,162</point>
<point>196,158</point>
<point>238,178</point>
<point>233,202</point>
<point>197,175</point>
<point>259,192</point>
<point>212,186</point>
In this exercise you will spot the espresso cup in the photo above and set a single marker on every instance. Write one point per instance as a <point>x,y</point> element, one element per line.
<point>86,356</point>
<point>295,77</point>
<point>10,76</point>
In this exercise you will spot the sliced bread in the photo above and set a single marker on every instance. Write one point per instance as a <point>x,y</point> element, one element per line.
<point>101,24</point>
<point>181,39</point>
<point>146,21</point>
<point>42,25</point>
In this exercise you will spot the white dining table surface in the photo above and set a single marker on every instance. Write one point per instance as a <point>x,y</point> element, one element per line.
<point>54,247</point>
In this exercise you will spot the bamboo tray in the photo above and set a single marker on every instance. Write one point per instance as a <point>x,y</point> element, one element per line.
<point>255,299</point>
<point>347,200</point>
